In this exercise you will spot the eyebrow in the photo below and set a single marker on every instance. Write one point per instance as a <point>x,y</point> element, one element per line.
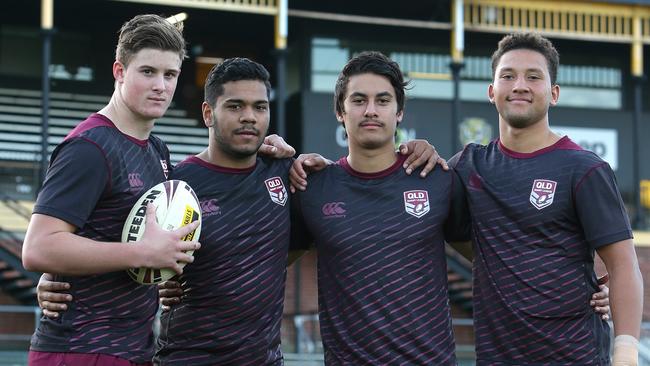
<point>141,67</point>
<point>242,101</point>
<point>535,69</point>
<point>381,94</point>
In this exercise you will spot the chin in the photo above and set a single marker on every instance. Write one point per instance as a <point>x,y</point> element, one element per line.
<point>243,151</point>
<point>155,114</point>
<point>372,145</point>
<point>519,121</point>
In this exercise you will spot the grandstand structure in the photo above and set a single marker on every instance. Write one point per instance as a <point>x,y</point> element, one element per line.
<point>604,48</point>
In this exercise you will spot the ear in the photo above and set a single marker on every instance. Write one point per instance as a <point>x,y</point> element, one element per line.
<point>339,117</point>
<point>555,94</point>
<point>400,115</point>
<point>119,71</point>
<point>491,93</point>
<point>207,114</point>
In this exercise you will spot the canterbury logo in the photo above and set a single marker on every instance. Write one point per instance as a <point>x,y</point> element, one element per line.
<point>210,207</point>
<point>334,209</point>
<point>135,181</point>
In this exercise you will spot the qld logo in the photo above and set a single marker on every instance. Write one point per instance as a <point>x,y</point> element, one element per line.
<point>416,203</point>
<point>276,190</point>
<point>543,192</point>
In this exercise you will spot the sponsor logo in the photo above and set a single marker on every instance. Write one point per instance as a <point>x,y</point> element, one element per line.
<point>136,223</point>
<point>165,168</point>
<point>189,217</point>
<point>542,193</point>
<point>210,208</point>
<point>276,189</point>
<point>333,209</point>
<point>416,203</point>
<point>135,181</point>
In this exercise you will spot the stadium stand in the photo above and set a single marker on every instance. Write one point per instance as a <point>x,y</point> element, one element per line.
<point>20,124</point>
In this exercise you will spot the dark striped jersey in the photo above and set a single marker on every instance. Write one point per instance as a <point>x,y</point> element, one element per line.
<point>382,273</point>
<point>537,219</point>
<point>95,176</point>
<point>231,310</point>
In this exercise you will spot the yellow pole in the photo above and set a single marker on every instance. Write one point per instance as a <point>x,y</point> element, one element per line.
<point>47,14</point>
<point>281,25</point>
<point>637,48</point>
<point>457,32</point>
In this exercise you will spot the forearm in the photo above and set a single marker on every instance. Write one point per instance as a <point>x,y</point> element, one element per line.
<point>70,254</point>
<point>626,297</point>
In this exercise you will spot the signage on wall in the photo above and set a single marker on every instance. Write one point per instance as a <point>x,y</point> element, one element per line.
<point>602,141</point>
<point>474,130</point>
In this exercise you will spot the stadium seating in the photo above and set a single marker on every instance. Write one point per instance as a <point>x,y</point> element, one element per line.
<point>20,124</point>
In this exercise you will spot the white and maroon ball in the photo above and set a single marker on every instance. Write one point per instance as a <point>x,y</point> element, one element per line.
<point>176,206</point>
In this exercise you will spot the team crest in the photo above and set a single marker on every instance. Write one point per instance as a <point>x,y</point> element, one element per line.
<point>416,203</point>
<point>276,190</point>
<point>543,192</point>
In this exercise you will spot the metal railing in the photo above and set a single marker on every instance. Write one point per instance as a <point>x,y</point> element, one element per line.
<point>13,309</point>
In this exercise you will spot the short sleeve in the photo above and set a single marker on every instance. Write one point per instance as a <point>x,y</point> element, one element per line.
<point>76,179</point>
<point>458,224</point>
<point>301,238</point>
<point>454,160</point>
<point>600,207</point>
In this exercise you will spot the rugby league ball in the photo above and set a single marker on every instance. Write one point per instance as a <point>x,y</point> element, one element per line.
<point>176,206</point>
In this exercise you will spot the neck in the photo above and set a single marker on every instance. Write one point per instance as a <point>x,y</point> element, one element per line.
<point>126,121</point>
<point>371,160</point>
<point>529,139</point>
<point>220,158</point>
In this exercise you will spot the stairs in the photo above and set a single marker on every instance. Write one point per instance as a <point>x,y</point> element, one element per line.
<point>14,279</point>
<point>20,124</point>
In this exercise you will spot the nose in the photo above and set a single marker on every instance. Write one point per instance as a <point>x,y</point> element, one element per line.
<point>247,115</point>
<point>159,83</point>
<point>371,110</point>
<point>520,85</point>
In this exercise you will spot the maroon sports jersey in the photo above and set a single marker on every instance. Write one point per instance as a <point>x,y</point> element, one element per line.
<point>95,176</point>
<point>537,219</point>
<point>382,273</point>
<point>232,306</point>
